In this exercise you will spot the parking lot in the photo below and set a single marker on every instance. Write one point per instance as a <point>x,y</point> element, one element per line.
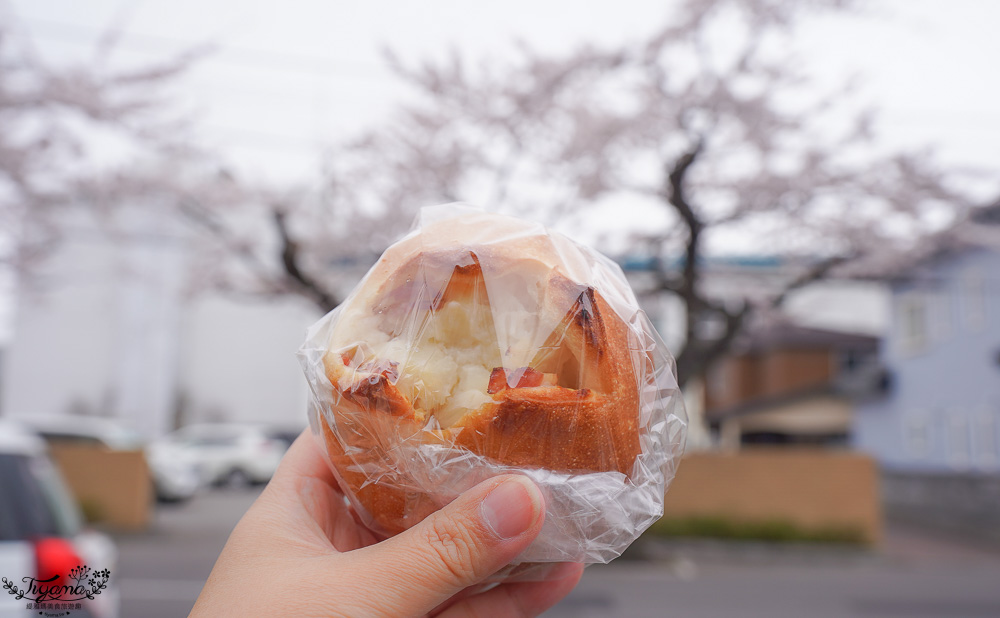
<point>913,574</point>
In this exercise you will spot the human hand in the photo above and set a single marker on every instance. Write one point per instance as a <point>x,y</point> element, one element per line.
<point>298,551</point>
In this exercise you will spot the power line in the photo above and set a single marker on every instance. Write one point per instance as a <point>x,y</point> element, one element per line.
<point>244,56</point>
<point>270,140</point>
<point>252,58</point>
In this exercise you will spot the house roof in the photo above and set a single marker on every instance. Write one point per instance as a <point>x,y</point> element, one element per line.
<point>784,334</point>
<point>980,229</point>
<point>759,404</point>
<point>800,404</point>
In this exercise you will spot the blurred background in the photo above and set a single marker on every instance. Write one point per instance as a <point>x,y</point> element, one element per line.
<point>804,195</point>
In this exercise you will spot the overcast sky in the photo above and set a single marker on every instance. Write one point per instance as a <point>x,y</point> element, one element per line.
<point>291,75</point>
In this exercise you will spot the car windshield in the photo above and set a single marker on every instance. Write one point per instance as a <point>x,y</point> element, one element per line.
<point>110,436</point>
<point>124,439</point>
<point>33,500</point>
<point>209,436</point>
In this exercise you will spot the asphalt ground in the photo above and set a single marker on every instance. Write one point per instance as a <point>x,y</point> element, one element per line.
<point>913,574</point>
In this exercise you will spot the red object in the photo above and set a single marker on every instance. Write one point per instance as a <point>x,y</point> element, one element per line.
<point>526,378</point>
<point>55,556</point>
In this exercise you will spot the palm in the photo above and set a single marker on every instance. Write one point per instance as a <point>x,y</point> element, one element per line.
<point>300,547</point>
<point>322,502</point>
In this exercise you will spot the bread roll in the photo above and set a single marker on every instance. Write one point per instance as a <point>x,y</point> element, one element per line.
<point>482,344</point>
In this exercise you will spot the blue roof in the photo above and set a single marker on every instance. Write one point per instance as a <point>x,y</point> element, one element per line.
<point>644,263</point>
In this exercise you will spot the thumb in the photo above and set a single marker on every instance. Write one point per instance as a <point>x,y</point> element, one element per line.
<point>476,535</point>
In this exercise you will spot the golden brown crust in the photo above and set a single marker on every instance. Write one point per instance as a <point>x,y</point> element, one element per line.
<point>588,422</point>
<point>568,429</point>
<point>370,386</point>
<point>393,510</point>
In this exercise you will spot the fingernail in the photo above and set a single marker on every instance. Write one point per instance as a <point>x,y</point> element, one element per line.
<point>511,508</point>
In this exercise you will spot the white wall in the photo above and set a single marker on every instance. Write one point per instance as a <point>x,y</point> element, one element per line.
<point>237,360</point>
<point>111,332</point>
<point>59,355</point>
<point>98,333</point>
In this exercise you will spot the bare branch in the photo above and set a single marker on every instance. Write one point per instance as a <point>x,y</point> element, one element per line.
<point>553,134</point>
<point>290,257</point>
<point>698,354</point>
<point>817,272</point>
<point>676,195</point>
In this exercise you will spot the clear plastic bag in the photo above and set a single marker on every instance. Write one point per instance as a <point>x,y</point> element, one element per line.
<point>481,345</point>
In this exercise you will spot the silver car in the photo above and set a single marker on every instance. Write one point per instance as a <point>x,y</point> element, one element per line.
<point>175,478</point>
<point>233,454</point>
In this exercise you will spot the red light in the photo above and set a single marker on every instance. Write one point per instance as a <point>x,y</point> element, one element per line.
<point>55,556</point>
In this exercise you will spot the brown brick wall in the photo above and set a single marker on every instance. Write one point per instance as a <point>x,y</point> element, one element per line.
<point>741,379</point>
<point>113,486</point>
<point>808,488</point>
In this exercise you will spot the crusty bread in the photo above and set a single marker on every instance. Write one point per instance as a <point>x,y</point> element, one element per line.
<point>544,368</point>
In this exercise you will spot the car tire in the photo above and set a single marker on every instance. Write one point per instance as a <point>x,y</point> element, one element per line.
<point>172,499</point>
<point>165,497</point>
<point>236,479</point>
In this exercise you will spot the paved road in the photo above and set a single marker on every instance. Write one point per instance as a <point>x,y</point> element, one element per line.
<point>164,569</point>
<point>786,591</point>
<point>913,575</point>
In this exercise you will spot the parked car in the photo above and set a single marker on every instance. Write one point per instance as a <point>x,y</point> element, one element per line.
<point>227,453</point>
<point>40,528</point>
<point>285,435</point>
<point>175,478</point>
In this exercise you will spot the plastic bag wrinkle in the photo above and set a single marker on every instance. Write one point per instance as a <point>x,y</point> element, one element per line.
<point>466,294</point>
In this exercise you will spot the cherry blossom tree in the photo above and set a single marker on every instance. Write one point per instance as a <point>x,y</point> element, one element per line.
<point>79,139</point>
<point>708,118</point>
<point>103,147</point>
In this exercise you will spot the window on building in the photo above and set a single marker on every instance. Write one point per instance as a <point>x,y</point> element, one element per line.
<point>911,319</point>
<point>853,359</point>
<point>918,436</point>
<point>958,439</point>
<point>940,315</point>
<point>987,449</point>
<point>974,300</point>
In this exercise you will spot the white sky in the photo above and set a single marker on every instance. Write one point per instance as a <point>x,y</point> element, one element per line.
<point>290,75</point>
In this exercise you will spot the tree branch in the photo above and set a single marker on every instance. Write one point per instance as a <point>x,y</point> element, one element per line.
<point>198,215</point>
<point>675,194</point>
<point>675,190</point>
<point>818,271</point>
<point>699,354</point>
<point>309,287</point>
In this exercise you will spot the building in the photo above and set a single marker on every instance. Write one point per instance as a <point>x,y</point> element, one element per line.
<point>109,327</point>
<point>788,384</point>
<point>941,412</point>
<point>113,330</point>
<point>825,309</point>
<point>935,429</point>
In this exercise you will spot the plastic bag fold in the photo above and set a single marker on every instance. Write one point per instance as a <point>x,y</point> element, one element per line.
<point>481,345</point>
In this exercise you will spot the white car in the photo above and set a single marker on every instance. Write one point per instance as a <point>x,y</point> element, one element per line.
<point>226,453</point>
<point>175,479</point>
<point>41,535</point>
